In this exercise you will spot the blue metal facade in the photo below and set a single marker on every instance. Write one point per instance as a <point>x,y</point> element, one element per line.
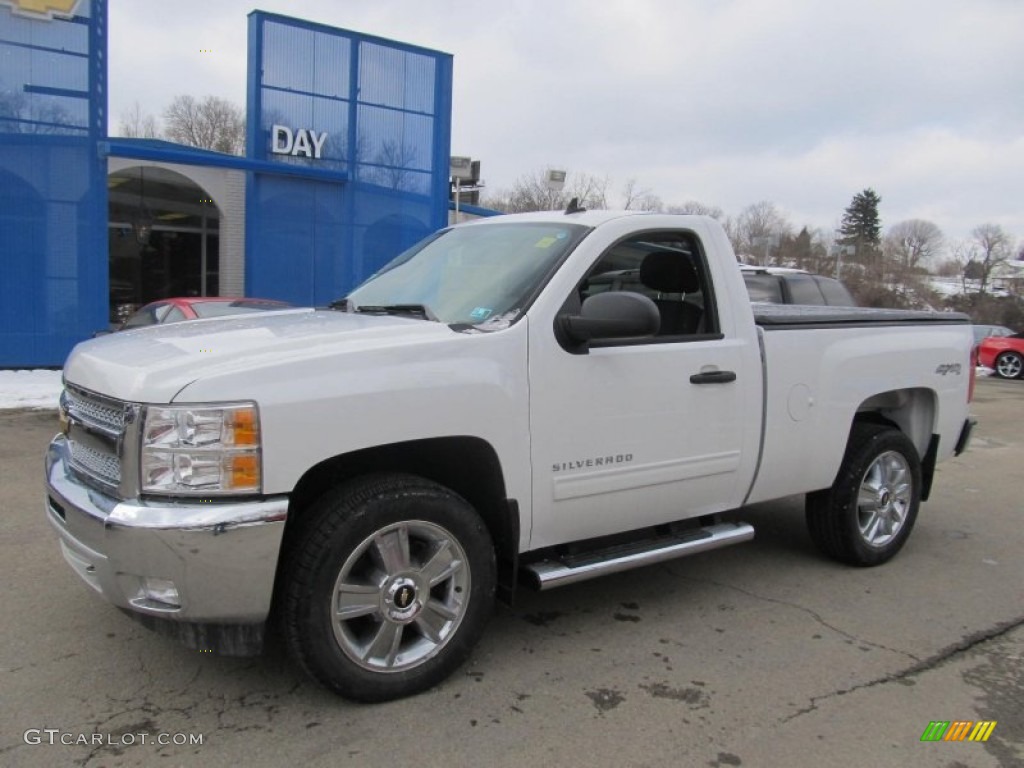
<point>53,193</point>
<point>381,181</point>
<point>315,227</point>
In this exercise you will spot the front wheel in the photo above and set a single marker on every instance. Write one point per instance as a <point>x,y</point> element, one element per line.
<point>866,516</point>
<point>1009,365</point>
<point>388,585</point>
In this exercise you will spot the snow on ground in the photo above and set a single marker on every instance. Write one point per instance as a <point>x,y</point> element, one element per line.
<point>29,389</point>
<point>946,286</point>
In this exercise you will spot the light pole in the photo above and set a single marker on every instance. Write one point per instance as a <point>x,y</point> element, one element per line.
<point>769,242</point>
<point>838,251</point>
<point>463,169</point>
<point>555,181</point>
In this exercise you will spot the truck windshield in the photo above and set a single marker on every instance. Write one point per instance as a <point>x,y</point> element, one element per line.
<point>482,275</point>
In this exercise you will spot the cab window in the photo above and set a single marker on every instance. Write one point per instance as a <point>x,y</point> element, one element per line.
<point>668,268</point>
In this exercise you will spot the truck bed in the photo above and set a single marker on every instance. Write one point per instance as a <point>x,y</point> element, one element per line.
<point>783,316</point>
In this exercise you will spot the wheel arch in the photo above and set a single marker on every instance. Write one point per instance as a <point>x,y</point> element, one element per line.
<point>913,411</point>
<point>465,464</point>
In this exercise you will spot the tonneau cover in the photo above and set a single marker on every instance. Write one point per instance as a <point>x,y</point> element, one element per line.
<point>778,316</point>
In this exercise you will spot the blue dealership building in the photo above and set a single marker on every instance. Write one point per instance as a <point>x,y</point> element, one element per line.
<point>346,164</point>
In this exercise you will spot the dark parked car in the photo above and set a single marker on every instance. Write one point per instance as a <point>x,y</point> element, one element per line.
<point>779,285</point>
<point>776,285</point>
<point>195,308</point>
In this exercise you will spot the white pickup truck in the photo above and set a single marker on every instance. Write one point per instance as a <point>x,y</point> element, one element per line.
<point>541,397</point>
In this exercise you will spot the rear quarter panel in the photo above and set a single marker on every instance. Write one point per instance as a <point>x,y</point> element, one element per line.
<point>818,379</point>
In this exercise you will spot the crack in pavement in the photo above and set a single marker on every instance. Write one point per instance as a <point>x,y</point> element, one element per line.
<point>812,613</point>
<point>966,644</point>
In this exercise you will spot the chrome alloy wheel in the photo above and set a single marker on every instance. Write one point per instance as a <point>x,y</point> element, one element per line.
<point>1008,365</point>
<point>400,596</point>
<point>884,498</point>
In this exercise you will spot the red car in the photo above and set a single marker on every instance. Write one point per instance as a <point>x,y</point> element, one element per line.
<point>195,308</point>
<point>1005,354</point>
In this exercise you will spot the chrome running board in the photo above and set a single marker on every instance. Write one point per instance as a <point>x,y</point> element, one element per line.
<point>551,573</point>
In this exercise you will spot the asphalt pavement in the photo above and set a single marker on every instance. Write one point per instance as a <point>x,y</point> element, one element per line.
<point>763,654</point>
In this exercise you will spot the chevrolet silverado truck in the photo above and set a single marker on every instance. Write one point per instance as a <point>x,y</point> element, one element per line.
<point>489,409</point>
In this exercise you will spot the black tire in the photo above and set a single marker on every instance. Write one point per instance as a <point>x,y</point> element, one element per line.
<point>881,460</point>
<point>1009,365</point>
<point>414,565</point>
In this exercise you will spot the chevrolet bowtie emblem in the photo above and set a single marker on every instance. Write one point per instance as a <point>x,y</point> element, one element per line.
<point>43,9</point>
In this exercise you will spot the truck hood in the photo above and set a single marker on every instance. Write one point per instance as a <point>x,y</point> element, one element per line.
<point>152,365</point>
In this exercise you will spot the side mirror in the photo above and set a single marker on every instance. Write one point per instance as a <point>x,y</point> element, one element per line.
<point>612,315</point>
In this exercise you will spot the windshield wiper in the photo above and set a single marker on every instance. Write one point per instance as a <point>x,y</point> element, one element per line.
<point>398,309</point>
<point>341,304</point>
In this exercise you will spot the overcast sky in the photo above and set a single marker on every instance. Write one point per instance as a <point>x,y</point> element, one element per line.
<point>728,102</point>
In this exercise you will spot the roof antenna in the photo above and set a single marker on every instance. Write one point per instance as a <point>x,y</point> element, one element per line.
<point>574,207</point>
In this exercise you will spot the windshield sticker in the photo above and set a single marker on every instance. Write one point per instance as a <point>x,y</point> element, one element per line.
<point>546,242</point>
<point>480,313</point>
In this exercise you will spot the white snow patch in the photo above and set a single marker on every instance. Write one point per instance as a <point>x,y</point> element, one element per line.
<point>29,389</point>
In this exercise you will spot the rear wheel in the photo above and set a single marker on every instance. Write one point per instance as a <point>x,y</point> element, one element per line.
<point>866,516</point>
<point>389,585</point>
<point>1009,365</point>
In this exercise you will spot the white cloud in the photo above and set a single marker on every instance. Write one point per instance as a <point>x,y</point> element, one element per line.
<point>726,101</point>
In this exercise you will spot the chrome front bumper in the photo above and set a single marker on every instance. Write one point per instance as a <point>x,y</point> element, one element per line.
<point>219,557</point>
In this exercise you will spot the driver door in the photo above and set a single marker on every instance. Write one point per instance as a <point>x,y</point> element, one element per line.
<point>637,433</point>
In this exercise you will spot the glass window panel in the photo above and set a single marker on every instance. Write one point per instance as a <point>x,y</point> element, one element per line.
<point>395,139</point>
<point>764,288</point>
<point>62,34</point>
<point>803,290</point>
<point>296,111</point>
<point>287,57</point>
<point>332,55</point>
<point>396,78</point>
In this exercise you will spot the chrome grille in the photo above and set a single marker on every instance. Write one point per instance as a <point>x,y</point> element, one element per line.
<point>101,466</point>
<point>95,411</point>
<point>96,426</point>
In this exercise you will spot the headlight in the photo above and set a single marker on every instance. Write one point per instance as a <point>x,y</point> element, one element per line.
<point>201,451</point>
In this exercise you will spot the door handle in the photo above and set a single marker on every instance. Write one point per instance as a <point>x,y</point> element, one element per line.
<point>713,377</point>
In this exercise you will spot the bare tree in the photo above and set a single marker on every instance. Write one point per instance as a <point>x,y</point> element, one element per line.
<point>394,160</point>
<point>906,249</point>
<point>531,193</point>
<point>213,123</point>
<point>635,198</point>
<point>913,242</point>
<point>590,190</point>
<point>696,207</point>
<point>949,267</point>
<point>758,229</point>
<point>135,124</point>
<point>993,248</point>
<point>21,114</point>
<point>963,253</point>
<point>631,194</point>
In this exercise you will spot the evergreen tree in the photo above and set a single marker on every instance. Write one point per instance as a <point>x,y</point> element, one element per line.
<point>861,227</point>
<point>802,250</point>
